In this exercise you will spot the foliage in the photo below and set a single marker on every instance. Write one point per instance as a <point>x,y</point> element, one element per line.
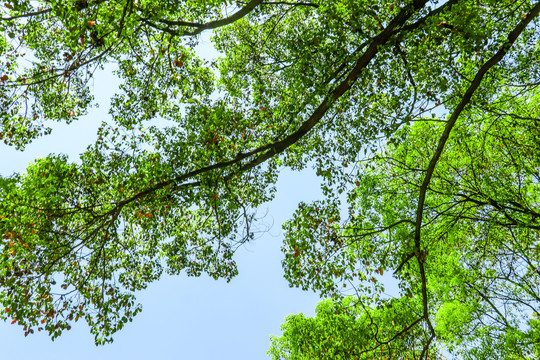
<point>480,237</point>
<point>345,330</point>
<point>420,117</point>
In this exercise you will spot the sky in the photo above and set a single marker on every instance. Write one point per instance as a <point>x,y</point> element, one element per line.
<point>182,317</point>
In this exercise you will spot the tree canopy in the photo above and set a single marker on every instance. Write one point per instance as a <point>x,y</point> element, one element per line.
<point>420,117</point>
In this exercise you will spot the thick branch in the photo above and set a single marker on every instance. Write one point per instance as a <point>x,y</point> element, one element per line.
<point>512,37</point>
<point>342,88</point>
<point>446,6</point>
<point>272,149</point>
<point>213,24</point>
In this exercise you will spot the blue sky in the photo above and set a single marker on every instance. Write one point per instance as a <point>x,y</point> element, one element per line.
<point>182,317</point>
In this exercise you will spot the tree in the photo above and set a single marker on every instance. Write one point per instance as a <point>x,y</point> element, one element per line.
<point>193,148</point>
<point>480,241</point>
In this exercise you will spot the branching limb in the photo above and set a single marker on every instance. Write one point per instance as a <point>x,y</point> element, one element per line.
<point>30,14</point>
<point>200,27</point>
<point>495,59</point>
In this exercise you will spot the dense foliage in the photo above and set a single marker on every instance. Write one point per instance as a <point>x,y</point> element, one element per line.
<point>420,117</point>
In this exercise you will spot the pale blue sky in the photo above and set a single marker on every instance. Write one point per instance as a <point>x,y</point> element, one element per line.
<point>182,318</point>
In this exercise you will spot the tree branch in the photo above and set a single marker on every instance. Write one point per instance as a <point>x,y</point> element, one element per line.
<point>277,147</point>
<point>342,88</point>
<point>209,25</point>
<point>288,3</point>
<point>41,12</point>
<point>446,6</point>
<point>512,37</point>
